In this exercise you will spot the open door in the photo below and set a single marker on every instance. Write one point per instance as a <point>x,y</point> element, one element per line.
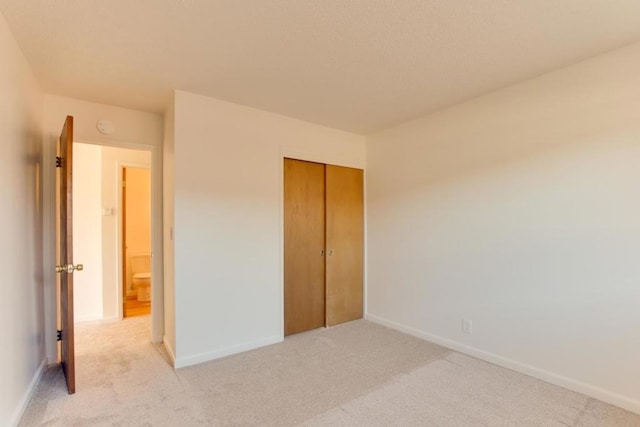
<point>65,266</point>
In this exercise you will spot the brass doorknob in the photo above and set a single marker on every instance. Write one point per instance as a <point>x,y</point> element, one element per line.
<point>69,268</point>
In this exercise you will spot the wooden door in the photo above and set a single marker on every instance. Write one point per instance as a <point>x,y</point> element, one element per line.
<point>65,267</point>
<point>345,240</point>
<point>304,243</point>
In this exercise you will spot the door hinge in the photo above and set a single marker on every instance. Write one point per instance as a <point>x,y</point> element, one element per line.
<point>58,335</point>
<point>58,162</point>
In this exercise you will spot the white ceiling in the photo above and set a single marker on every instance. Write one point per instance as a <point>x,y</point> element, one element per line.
<point>358,65</point>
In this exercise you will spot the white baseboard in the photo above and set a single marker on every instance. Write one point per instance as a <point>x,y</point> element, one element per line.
<point>550,377</point>
<point>26,397</point>
<point>170,351</point>
<point>228,351</point>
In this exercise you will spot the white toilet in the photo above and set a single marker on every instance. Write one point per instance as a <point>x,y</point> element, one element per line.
<point>141,269</point>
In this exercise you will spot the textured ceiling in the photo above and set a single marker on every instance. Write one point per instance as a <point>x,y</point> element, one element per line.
<point>358,65</point>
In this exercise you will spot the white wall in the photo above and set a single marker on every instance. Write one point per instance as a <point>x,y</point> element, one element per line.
<point>228,220</point>
<point>131,126</point>
<point>87,231</point>
<point>169,338</point>
<point>22,285</point>
<point>134,129</point>
<point>519,210</point>
<point>113,159</point>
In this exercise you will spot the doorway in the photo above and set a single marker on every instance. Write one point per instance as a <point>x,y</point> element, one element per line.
<point>135,215</point>
<point>98,228</point>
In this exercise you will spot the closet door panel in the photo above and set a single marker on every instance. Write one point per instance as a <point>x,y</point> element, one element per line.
<point>345,240</point>
<point>304,243</point>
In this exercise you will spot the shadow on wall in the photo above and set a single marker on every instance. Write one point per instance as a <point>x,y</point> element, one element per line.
<point>438,149</point>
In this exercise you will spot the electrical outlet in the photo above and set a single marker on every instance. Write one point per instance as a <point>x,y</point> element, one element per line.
<point>467,326</point>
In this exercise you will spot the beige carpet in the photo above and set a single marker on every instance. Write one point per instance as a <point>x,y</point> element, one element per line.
<point>358,374</point>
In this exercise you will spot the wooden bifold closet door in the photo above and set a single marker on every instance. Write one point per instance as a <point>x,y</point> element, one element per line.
<point>323,245</point>
<point>344,237</point>
<point>304,293</point>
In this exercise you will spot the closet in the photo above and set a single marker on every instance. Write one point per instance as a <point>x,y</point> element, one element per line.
<point>323,245</point>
